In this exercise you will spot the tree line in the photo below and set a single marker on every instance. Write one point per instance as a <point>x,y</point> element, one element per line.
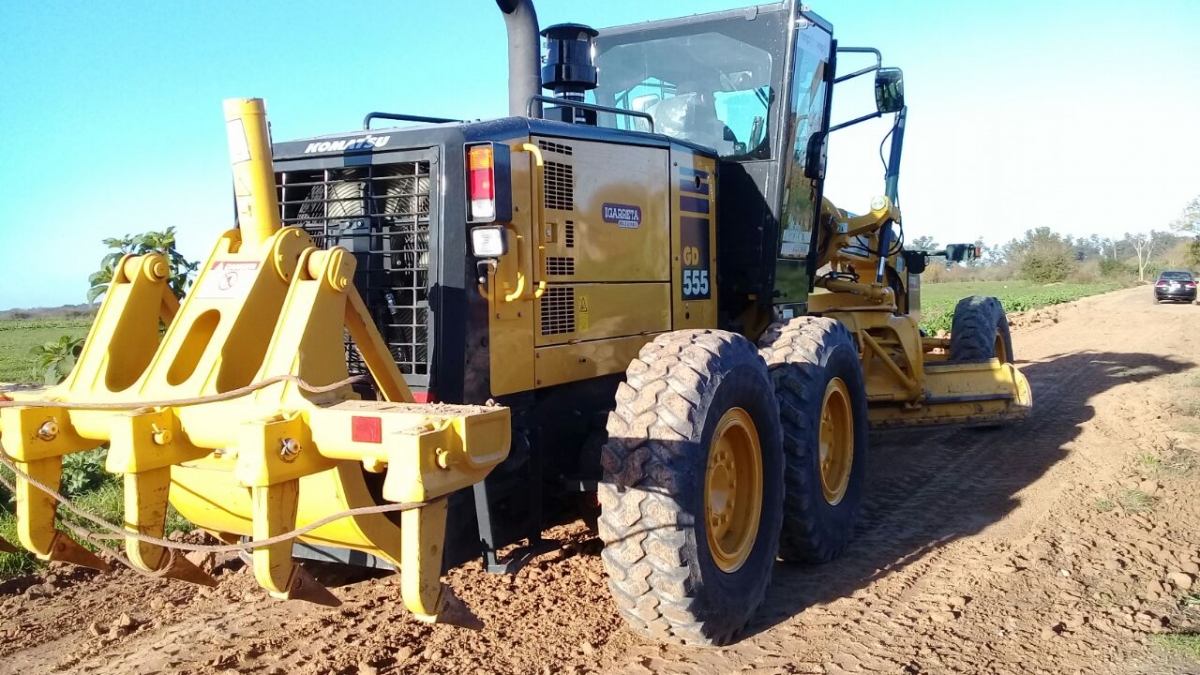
<point>1044,256</point>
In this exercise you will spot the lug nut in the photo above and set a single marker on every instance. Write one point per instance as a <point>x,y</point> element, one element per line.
<point>48,431</point>
<point>161,436</point>
<point>289,449</point>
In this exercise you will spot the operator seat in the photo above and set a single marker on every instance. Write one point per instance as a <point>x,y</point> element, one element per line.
<point>690,117</point>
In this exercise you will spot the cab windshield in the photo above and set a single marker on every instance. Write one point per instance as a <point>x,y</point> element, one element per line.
<point>710,82</point>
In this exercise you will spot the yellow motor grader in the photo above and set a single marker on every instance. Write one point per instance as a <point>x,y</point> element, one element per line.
<point>421,344</point>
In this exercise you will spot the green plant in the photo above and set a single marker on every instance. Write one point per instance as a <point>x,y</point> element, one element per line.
<point>1136,501</point>
<point>54,360</point>
<point>84,471</point>
<point>163,242</point>
<point>1182,643</point>
<point>1104,505</point>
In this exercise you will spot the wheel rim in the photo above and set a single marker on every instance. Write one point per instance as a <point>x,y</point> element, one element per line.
<point>1001,350</point>
<point>836,441</point>
<point>733,490</point>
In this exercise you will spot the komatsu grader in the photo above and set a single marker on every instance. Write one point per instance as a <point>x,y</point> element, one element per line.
<point>422,343</point>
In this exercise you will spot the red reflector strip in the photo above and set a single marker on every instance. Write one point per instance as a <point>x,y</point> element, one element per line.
<point>481,184</point>
<point>422,397</point>
<point>4,398</point>
<point>366,429</point>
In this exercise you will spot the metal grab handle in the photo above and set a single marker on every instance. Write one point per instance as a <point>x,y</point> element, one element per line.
<point>520,290</point>
<point>402,117</point>
<point>566,103</point>
<point>539,180</point>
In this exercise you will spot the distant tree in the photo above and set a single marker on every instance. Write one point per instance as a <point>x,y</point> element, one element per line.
<point>924,244</point>
<point>1043,256</point>
<point>1143,247</point>
<point>1189,220</point>
<point>163,243</point>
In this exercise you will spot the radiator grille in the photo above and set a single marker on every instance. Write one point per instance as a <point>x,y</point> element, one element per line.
<point>569,234</point>
<point>560,186</point>
<point>558,310</point>
<point>560,266</point>
<point>381,214</point>
<point>559,148</point>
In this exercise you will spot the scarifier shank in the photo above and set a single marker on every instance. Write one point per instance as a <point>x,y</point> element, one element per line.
<point>267,303</point>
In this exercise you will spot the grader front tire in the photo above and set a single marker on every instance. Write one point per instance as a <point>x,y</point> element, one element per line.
<point>818,382</point>
<point>692,493</point>
<point>979,331</point>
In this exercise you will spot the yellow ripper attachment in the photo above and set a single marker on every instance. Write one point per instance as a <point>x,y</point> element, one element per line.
<point>242,414</point>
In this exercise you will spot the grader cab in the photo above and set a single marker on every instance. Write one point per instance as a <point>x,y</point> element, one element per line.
<point>423,344</point>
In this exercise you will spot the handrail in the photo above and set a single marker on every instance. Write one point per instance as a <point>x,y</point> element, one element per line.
<point>567,103</point>
<point>403,117</point>
<point>539,187</point>
<point>520,289</point>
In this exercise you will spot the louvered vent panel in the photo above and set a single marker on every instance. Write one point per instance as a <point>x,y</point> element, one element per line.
<point>569,234</point>
<point>559,148</point>
<point>560,186</point>
<point>561,266</point>
<point>558,310</point>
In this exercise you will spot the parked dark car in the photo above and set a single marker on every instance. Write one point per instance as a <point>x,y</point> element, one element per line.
<point>1175,286</point>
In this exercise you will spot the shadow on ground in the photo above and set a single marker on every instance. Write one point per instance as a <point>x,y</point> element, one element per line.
<point>927,488</point>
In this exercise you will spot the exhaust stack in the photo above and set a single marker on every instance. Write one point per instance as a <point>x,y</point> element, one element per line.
<point>524,56</point>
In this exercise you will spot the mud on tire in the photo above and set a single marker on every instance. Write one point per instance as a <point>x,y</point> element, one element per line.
<point>979,321</point>
<point>660,564</point>
<point>804,355</point>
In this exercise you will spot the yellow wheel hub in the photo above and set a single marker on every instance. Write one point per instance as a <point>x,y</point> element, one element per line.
<point>836,443</point>
<point>1001,351</point>
<point>733,490</point>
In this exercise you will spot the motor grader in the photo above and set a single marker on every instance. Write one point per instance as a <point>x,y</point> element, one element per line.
<point>422,343</point>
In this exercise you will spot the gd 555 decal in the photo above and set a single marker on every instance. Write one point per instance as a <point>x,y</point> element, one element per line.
<point>697,278</point>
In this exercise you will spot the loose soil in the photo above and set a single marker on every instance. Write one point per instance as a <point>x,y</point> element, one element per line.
<point>1061,544</point>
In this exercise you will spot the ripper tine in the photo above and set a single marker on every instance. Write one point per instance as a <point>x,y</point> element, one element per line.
<point>182,569</point>
<point>66,549</point>
<point>454,612</point>
<point>305,587</point>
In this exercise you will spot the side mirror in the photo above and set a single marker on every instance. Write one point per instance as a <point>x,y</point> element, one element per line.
<point>889,90</point>
<point>961,252</point>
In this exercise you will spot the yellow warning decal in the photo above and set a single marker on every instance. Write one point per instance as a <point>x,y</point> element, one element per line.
<point>581,313</point>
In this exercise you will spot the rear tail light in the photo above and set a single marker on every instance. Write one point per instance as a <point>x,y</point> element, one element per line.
<point>1161,283</point>
<point>489,183</point>
<point>481,166</point>
<point>1191,284</point>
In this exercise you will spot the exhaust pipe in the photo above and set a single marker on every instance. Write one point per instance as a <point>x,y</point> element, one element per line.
<point>524,56</point>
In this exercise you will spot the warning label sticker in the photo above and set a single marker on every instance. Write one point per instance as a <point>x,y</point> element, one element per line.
<point>227,279</point>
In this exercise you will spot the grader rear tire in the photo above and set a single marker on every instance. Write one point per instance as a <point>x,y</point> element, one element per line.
<point>979,331</point>
<point>818,381</point>
<point>692,496</point>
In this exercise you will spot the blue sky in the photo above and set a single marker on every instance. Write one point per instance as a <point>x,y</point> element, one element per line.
<point>1082,116</point>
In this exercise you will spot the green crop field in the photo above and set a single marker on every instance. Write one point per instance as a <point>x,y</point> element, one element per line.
<point>938,300</point>
<point>17,337</point>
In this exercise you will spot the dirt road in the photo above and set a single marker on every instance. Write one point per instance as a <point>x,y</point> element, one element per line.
<point>1063,544</point>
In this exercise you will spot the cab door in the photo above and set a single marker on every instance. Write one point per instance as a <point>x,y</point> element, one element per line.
<point>807,120</point>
